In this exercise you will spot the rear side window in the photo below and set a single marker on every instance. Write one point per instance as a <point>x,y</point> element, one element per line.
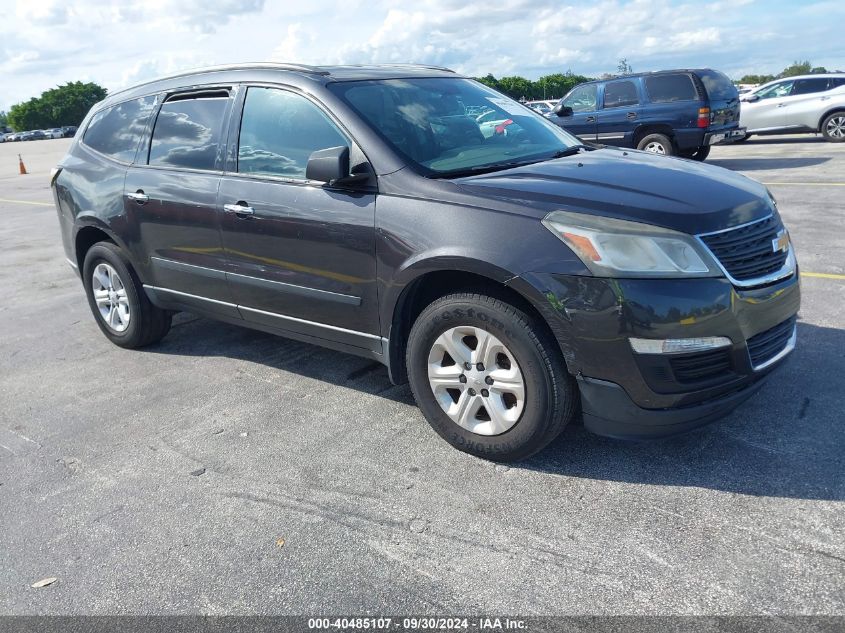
<point>667,88</point>
<point>187,131</point>
<point>116,131</point>
<point>279,132</point>
<point>717,85</point>
<point>809,86</point>
<point>620,93</point>
<point>836,82</point>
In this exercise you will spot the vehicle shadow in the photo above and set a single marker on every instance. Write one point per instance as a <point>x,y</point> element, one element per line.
<point>778,140</point>
<point>786,441</point>
<point>762,164</point>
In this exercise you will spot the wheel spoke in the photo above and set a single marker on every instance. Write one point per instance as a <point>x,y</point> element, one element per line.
<point>101,297</point>
<point>500,416</point>
<point>445,377</point>
<point>466,409</point>
<point>452,343</point>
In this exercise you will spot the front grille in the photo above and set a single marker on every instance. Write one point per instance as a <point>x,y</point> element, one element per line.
<point>766,345</point>
<point>746,252</point>
<point>701,366</point>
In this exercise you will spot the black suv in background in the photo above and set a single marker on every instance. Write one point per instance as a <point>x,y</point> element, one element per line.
<point>512,277</point>
<point>681,112</point>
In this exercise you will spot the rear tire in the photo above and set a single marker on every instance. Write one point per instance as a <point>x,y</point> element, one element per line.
<point>118,301</point>
<point>657,144</point>
<point>700,153</point>
<point>507,409</point>
<point>833,127</point>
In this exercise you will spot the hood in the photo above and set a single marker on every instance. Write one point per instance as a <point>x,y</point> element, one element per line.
<point>674,193</point>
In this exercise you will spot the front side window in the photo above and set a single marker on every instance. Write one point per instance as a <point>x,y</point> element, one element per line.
<point>187,131</point>
<point>781,89</point>
<point>669,88</point>
<point>620,93</point>
<point>448,126</point>
<point>582,98</point>
<point>116,131</point>
<point>809,86</point>
<point>279,132</point>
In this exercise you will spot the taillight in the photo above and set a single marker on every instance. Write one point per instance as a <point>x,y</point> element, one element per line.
<point>703,117</point>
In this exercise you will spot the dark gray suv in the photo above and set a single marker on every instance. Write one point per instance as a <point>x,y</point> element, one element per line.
<point>511,274</point>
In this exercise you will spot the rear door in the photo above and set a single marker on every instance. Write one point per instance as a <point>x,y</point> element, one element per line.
<point>801,108</point>
<point>620,112</point>
<point>171,200</point>
<point>584,103</point>
<point>301,253</point>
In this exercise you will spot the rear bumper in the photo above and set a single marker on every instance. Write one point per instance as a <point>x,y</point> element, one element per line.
<point>723,137</point>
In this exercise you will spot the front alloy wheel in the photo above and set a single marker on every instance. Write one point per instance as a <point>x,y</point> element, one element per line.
<point>489,377</point>
<point>476,380</point>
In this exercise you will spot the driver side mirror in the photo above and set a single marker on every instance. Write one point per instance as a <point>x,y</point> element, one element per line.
<point>750,98</point>
<point>331,166</point>
<point>562,110</point>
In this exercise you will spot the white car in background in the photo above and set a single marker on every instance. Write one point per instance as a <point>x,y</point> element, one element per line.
<point>54,133</point>
<point>795,105</point>
<point>543,107</point>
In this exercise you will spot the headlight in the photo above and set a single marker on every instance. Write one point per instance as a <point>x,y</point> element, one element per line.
<point>613,248</point>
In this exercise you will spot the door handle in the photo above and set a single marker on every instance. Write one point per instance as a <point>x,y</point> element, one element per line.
<point>139,196</point>
<point>241,208</point>
<point>632,115</point>
<point>823,98</point>
<point>590,119</point>
<point>780,105</point>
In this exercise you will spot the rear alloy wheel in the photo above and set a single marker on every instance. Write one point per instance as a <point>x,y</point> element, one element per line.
<point>657,144</point>
<point>833,128</point>
<point>488,378</point>
<point>118,301</point>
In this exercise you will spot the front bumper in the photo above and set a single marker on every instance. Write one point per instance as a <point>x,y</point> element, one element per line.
<point>626,394</point>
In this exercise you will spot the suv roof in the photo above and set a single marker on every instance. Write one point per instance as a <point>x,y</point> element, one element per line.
<point>354,72</point>
<point>650,73</point>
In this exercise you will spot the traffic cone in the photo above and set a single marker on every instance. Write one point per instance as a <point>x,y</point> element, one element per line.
<point>21,165</point>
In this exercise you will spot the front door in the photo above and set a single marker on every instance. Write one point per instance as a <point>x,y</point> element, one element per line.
<point>171,201</point>
<point>582,122</point>
<point>620,112</point>
<point>301,254</point>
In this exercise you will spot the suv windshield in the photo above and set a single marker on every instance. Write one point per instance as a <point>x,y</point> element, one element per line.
<point>450,126</point>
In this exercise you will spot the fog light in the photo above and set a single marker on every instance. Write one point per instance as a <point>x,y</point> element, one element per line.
<point>678,345</point>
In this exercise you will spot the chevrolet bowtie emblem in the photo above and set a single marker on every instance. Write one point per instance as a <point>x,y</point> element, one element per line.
<point>781,243</point>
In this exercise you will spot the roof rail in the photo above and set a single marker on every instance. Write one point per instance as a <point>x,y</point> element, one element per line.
<point>301,68</point>
<point>429,66</point>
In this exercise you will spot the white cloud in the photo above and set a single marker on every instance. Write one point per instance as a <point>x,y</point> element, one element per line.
<point>119,42</point>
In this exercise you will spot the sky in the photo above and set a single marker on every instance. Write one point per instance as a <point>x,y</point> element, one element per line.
<point>44,43</point>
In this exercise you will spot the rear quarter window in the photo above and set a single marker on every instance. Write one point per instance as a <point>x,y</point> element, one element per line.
<point>117,130</point>
<point>717,85</point>
<point>668,88</point>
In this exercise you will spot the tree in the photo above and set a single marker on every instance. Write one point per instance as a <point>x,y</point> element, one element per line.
<point>516,87</point>
<point>63,105</point>
<point>756,79</point>
<point>797,68</point>
<point>558,84</point>
<point>623,67</point>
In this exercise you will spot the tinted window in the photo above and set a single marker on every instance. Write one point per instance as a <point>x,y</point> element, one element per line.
<point>187,132</point>
<point>582,99</point>
<point>620,93</point>
<point>718,86</point>
<point>117,130</point>
<point>809,86</point>
<point>781,89</point>
<point>836,82</point>
<point>666,88</point>
<point>279,132</point>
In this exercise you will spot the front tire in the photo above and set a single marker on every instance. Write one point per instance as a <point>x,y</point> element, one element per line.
<point>118,301</point>
<point>488,378</point>
<point>833,127</point>
<point>657,144</point>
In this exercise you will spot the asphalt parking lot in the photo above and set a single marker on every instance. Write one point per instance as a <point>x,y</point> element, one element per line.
<point>228,471</point>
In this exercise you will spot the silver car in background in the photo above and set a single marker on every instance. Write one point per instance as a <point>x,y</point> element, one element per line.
<point>795,105</point>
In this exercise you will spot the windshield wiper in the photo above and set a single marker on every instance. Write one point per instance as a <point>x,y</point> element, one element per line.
<point>481,169</point>
<point>571,151</point>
